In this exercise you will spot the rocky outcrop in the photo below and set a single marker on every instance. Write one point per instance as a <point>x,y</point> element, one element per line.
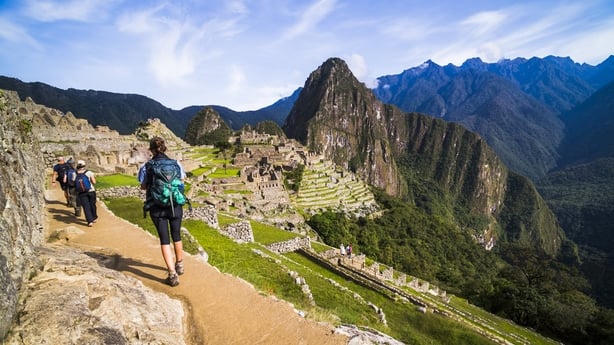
<point>56,294</point>
<point>338,116</point>
<point>97,305</point>
<point>207,128</point>
<point>21,205</point>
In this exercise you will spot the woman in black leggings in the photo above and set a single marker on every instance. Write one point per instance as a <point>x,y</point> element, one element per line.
<point>165,218</point>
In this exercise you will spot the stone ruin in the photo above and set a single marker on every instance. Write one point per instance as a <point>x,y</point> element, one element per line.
<point>240,232</point>
<point>358,262</point>
<point>104,150</point>
<point>290,245</point>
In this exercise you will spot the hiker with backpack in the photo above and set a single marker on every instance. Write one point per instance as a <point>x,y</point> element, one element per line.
<point>163,178</point>
<point>59,175</point>
<point>86,193</point>
<point>69,179</point>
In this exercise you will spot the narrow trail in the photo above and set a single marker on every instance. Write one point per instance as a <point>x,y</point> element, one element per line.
<point>220,309</point>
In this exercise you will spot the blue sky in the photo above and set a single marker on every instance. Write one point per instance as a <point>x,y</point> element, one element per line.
<point>248,54</point>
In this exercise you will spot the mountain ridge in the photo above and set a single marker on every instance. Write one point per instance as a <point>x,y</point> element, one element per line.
<point>340,117</point>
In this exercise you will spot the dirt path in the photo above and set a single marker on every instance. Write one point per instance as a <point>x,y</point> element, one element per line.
<point>220,309</point>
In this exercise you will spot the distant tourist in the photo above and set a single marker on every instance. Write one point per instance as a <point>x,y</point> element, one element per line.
<point>69,179</point>
<point>59,175</point>
<point>86,193</point>
<point>162,178</point>
<point>349,250</point>
<point>342,250</point>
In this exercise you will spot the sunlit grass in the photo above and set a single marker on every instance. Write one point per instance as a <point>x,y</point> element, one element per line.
<point>108,181</point>
<point>270,276</point>
<point>267,234</point>
<point>225,173</point>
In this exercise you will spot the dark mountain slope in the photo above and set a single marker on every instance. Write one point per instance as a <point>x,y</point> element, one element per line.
<point>523,132</point>
<point>121,112</point>
<point>516,114</point>
<point>589,129</point>
<point>582,197</point>
<point>334,115</point>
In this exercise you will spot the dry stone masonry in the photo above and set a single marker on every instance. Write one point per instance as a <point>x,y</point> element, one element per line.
<point>21,205</point>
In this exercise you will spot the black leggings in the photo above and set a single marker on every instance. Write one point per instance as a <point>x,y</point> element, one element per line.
<point>163,218</point>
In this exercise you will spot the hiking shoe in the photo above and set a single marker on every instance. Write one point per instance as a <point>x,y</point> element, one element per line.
<point>179,267</point>
<point>172,279</point>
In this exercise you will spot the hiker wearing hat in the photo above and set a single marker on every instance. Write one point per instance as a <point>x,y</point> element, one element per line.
<point>86,193</point>
<point>59,176</point>
<point>71,175</point>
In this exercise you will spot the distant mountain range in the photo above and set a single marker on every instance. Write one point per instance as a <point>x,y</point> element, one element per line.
<point>516,105</point>
<point>123,112</point>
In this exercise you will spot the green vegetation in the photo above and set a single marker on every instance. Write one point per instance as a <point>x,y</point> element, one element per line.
<point>582,197</point>
<point>267,234</point>
<point>108,181</point>
<point>269,127</point>
<point>198,134</point>
<point>225,173</point>
<point>293,178</point>
<point>517,281</point>
<point>269,274</point>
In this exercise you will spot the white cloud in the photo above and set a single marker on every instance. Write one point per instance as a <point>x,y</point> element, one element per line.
<point>358,66</point>
<point>17,34</point>
<point>237,7</point>
<point>484,22</point>
<point>77,10</point>
<point>310,18</point>
<point>236,78</point>
<point>177,44</point>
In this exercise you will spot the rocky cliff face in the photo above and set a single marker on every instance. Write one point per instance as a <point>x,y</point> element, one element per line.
<point>51,293</point>
<point>91,297</point>
<point>339,117</point>
<point>21,205</point>
<point>207,127</point>
<point>336,115</point>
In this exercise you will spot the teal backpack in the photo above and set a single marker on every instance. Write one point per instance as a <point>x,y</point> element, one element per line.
<point>166,189</point>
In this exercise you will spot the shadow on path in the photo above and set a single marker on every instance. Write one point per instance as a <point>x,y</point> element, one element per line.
<point>124,264</point>
<point>65,215</point>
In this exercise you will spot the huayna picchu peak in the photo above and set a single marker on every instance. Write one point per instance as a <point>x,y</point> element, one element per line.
<point>339,117</point>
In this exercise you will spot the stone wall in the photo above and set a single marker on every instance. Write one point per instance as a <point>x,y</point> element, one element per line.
<point>290,245</point>
<point>207,214</point>
<point>21,205</point>
<point>384,273</point>
<point>241,232</point>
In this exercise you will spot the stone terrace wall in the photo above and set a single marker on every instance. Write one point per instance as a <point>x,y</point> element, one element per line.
<point>290,245</point>
<point>21,205</point>
<point>241,232</point>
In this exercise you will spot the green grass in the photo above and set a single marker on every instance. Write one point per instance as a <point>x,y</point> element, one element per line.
<point>108,181</point>
<point>404,321</point>
<point>237,191</point>
<point>320,247</point>
<point>335,305</point>
<point>200,171</point>
<point>241,261</point>
<point>219,173</point>
<point>267,234</point>
<point>224,220</point>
